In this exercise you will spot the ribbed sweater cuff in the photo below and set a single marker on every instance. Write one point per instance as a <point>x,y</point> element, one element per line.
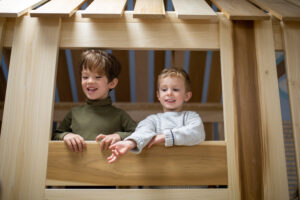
<point>169,138</point>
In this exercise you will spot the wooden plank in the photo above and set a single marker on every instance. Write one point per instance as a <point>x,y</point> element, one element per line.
<point>281,9</point>
<point>91,167</point>
<point>57,8</point>
<point>76,59</point>
<point>240,10</point>
<point>16,8</point>
<point>105,9</point>
<point>296,2</point>
<point>159,65</point>
<point>29,101</point>
<point>277,34</point>
<point>177,59</point>
<point>275,173</point>
<point>2,80</point>
<point>149,9</point>
<point>136,194</point>
<point>291,31</point>
<point>230,116</point>
<point>141,76</point>
<point>193,9</point>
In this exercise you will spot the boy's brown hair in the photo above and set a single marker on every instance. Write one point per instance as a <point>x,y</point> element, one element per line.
<point>175,72</point>
<point>101,62</point>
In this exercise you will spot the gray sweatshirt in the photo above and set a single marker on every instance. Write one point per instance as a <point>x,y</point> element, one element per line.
<point>179,128</point>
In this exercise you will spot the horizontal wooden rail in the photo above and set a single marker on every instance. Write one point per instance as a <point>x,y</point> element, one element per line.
<point>203,164</point>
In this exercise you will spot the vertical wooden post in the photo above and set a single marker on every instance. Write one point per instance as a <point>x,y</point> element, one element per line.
<point>291,39</point>
<point>27,117</point>
<point>2,81</point>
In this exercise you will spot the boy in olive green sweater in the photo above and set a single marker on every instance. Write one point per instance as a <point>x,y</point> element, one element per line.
<point>98,119</point>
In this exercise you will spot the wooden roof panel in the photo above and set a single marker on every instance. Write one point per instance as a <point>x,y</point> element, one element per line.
<point>105,9</point>
<point>16,8</point>
<point>149,9</point>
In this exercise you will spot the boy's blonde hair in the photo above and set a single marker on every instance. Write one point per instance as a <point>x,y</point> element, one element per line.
<point>101,62</point>
<point>175,72</point>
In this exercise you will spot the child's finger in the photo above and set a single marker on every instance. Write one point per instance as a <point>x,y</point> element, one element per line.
<point>69,144</point>
<point>79,145</point>
<point>99,137</point>
<point>74,145</point>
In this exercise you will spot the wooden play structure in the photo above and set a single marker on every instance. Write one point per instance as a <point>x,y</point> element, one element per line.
<point>250,160</point>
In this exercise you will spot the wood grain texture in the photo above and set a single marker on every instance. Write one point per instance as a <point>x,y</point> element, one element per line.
<point>149,9</point>
<point>193,9</point>
<point>141,76</point>
<point>159,65</point>
<point>29,101</point>
<point>105,9</point>
<point>240,10</point>
<point>16,8</point>
<point>57,8</point>
<point>295,2</point>
<point>136,194</point>
<point>291,31</point>
<point>281,9</point>
<point>91,168</point>
<point>274,164</point>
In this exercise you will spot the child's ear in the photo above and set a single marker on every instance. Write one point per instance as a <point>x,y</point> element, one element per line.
<point>187,96</point>
<point>113,83</point>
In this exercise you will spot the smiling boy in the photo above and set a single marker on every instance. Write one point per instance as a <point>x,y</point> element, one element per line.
<point>98,119</point>
<point>173,126</point>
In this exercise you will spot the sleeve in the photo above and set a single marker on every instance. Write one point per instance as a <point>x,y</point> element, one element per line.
<point>128,125</point>
<point>63,128</point>
<point>191,133</point>
<point>143,133</point>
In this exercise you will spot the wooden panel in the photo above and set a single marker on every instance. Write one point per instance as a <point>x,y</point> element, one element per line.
<point>122,93</point>
<point>240,10</point>
<point>57,8</point>
<point>291,32</point>
<point>91,168</point>
<point>63,79</point>
<point>149,9</point>
<point>136,194</point>
<point>193,9</point>
<point>141,76</point>
<point>274,170</point>
<point>214,92</point>
<point>29,102</point>
<point>177,59</point>
<point>159,65</point>
<point>105,9</point>
<point>2,79</point>
<point>196,72</point>
<point>76,59</point>
<point>281,9</point>
<point>209,130</point>
<point>16,8</point>
<point>277,34</point>
<point>296,2</point>
<point>230,116</point>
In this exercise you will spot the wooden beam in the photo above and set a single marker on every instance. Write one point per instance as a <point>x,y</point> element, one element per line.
<point>29,102</point>
<point>240,10</point>
<point>193,9</point>
<point>149,9</point>
<point>105,9</point>
<point>136,194</point>
<point>16,8</point>
<point>291,31</point>
<point>296,2</point>
<point>91,167</point>
<point>141,76</point>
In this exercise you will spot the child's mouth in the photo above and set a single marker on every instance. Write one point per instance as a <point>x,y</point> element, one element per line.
<point>91,89</point>
<point>170,101</point>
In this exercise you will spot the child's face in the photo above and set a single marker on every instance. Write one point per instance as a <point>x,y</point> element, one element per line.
<point>172,94</point>
<point>95,86</point>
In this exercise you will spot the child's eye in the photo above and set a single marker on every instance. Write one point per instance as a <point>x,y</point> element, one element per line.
<point>175,89</point>
<point>84,77</point>
<point>98,77</point>
<point>163,89</point>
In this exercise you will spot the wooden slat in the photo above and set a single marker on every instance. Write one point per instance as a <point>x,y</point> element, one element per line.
<point>159,65</point>
<point>230,117</point>
<point>291,32</point>
<point>240,10</point>
<point>281,9</point>
<point>275,174</point>
<point>177,59</point>
<point>193,9</point>
<point>91,168</point>
<point>105,9</point>
<point>136,194</point>
<point>149,9</point>
<point>141,76</point>
<point>277,34</point>
<point>29,102</point>
<point>16,8</point>
<point>57,8</point>
<point>296,2</point>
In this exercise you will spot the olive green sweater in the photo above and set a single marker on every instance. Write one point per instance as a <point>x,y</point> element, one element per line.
<point>94,118</point>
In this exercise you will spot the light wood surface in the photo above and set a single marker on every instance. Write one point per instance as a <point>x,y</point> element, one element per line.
<point>274,170</point>
<point>296,2</point>
<point>141,75</point>
<point>27,117</point>
<point>105,9</point>
<point>57,8</point>
<point>230,116</point>
<point>156,166</point>
<point>149,9</point>
<point>136,194</point>
<point>291,32</point>
<point>240,10</point>
<point>16,8</point>
<point>193,9</point>
<point>281,9</point>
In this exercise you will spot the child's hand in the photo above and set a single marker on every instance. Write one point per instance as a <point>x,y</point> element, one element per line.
<point>119,149</point>
<point>75,142</point>
<point>107,140</point>
<point>156,140</point>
